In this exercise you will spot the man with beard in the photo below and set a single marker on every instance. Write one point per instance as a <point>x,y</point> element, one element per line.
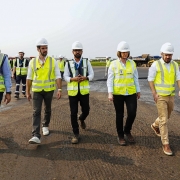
<point>43,72</point>
<point>162,77</point>
<point>78,72</point>
<point>20,72</point>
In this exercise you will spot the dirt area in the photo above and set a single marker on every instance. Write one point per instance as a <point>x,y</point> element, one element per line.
<point>98,155</point>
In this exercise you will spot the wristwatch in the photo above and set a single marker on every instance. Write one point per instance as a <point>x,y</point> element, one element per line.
<point>8,92</point>
<point>60,90</point>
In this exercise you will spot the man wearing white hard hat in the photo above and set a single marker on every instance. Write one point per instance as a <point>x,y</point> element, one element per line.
<point>78,72</point>
<point>163,74</point>
<point>123,87</point>
<point>61,65</point>
<point>43,76</point>
<point>20,72</point>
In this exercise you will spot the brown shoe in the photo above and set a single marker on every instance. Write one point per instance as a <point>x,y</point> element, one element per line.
<point>130,138</point>
<point>156,130</point>
<point>121,141</point>
<point>167,150</point>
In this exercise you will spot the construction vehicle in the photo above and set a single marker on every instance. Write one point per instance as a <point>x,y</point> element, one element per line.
<point>145,60</point>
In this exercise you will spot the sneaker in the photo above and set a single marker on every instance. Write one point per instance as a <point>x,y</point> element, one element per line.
<point>45,131</point>
<point>121,141</point>
<point>156,130</point>
<point>75,139</point>
<point>34,140</point>
<point>168,151</point>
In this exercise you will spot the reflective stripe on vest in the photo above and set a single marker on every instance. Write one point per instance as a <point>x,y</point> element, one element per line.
<point>61,65</point>
<point>21,70</point>
<point>44,76</point>
<point>123,78</point>
<point>72,87</point>
<point>2,85</point>
<point>165,81</point>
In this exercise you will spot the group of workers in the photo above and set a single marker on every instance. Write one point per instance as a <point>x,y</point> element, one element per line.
<point>43,74</point>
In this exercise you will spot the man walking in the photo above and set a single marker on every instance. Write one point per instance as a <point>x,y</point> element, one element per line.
<point>20,71</point>
<point>162,77</point>
<point>78,72</point>
<point>43,72</point>
<point>61,65</point>
<point>5,79</point>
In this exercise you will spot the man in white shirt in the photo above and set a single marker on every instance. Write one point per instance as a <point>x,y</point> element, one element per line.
<point>162,77</point>
<point>78,72</point>
<point>43,74</point>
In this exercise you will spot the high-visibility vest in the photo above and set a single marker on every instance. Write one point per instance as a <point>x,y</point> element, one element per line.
<point>164,81</point>
<point>2,85</point>
<point>72,87</point>
<point>108,62</point>
<point>21,70</point>
<point>61,65</point>
<point>123,77</point>
<point>43,76</point>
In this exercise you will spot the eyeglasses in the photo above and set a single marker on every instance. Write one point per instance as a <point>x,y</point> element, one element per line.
<point>80,50</point>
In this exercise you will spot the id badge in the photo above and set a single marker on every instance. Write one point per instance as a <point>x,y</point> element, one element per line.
<point>121,71</point>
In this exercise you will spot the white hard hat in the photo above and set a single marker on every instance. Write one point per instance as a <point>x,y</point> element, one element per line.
<point>21,51</point>
<point>60,56</point>
<point>167,48</point>
<point>123,47</point>
<point>41,42</point>
<point>107,57</point>
<point>77,45</point>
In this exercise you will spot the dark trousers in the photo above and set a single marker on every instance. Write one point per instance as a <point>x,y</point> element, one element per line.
<point>84,103</point>
<point>62,73</point>
<point>38,98</point>
<point>131,105</point>
<point>20,79</point>
<point>1,96</point>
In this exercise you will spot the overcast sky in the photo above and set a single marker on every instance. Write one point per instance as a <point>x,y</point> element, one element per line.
<point>98,24</point>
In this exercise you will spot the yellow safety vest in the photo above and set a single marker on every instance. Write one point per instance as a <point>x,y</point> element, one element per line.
<point>72,87</point>
<point>21,70</point>
<point>108,62</point>
<point>14,60</point>
<point>2,85</point>
<point>165,80</point>
<point>43,76</point>
<point>61,65</point>
<point>123,77</point>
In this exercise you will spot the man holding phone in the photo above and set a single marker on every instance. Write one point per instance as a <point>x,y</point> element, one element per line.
<point>78,72</point>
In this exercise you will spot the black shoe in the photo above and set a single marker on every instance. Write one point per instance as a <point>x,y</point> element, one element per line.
<point>83,124</point>
<point>121,141</point>
<point>24,95</point>
<point>130,138</point>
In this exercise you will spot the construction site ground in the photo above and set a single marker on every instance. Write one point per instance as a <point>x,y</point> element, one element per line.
<point>98,156</point>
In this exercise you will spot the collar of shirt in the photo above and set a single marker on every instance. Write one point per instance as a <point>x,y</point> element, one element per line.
<point>77,64</point>
<point>162,61</point>
<point>124,65</point>
<point>42,62</point>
